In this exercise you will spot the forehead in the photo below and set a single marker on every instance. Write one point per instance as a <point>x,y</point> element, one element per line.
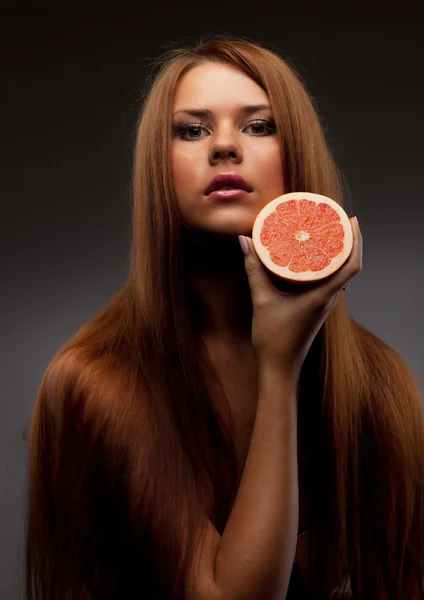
<point>215,85</point>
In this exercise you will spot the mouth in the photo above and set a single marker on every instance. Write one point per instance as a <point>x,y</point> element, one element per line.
<point>228,182</point>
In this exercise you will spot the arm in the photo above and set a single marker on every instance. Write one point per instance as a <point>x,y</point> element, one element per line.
<point>255,554</point>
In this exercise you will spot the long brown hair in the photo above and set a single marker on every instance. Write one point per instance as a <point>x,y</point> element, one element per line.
<point>131,438</point>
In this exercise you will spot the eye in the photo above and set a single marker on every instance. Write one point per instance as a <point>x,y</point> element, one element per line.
<point>183,130</point>
<point>269,124</point>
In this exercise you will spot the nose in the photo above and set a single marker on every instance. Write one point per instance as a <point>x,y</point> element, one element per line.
<point>224,149</point>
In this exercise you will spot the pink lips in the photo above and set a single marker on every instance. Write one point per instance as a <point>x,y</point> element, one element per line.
<point>229,180</point>
<point>227,194</point>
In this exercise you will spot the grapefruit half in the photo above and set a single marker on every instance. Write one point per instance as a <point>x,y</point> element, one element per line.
<point>302,236</point>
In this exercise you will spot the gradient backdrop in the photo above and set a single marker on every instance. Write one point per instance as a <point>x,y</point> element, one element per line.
<point>69,104</point>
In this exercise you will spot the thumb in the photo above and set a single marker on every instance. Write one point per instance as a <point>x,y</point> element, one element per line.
<point>260,284</point>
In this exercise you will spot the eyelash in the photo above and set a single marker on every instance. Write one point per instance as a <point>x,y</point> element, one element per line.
<point>195,125</point>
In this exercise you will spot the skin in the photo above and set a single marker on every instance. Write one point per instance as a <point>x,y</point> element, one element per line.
<point>213,260</point>
<point>225,141</point>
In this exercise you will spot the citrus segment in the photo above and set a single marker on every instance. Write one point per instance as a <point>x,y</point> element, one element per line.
<point>302,236</point>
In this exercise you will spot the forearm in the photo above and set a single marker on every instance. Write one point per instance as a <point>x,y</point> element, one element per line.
<point>257,548</point>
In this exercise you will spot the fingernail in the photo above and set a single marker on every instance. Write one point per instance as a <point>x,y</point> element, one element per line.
<point>356,220</point>
<point>243,244</point>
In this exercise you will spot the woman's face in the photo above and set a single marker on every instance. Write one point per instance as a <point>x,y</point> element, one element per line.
<point>226,140</point>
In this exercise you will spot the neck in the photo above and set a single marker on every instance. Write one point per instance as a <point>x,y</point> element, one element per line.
<point>215,272</point>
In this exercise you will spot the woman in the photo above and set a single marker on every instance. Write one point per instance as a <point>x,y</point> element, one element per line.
<point>184,439</point>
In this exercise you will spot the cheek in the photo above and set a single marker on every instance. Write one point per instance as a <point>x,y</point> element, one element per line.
<point>184,172</point>
<point>270,164</point>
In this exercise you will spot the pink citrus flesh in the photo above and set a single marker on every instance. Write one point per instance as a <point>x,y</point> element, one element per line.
<point>302,236</point>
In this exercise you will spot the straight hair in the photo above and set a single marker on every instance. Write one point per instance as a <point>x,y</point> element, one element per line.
<point>131,437</point>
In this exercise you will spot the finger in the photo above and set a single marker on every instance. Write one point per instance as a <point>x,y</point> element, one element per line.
<point>260,284</point>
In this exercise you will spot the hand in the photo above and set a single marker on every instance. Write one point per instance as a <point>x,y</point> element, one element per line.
<point>287,317</point>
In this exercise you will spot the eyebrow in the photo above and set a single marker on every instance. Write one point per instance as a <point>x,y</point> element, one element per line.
<point>204,112</point>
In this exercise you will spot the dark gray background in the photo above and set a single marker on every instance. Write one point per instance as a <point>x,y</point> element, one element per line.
<point>71,85</point>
